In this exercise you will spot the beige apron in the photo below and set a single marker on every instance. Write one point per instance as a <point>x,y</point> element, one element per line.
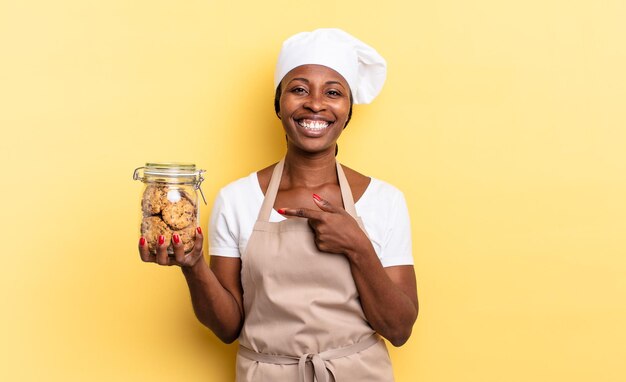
<point>303,318</point>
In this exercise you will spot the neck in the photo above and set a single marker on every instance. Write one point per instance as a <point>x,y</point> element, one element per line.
<point>310,170</point>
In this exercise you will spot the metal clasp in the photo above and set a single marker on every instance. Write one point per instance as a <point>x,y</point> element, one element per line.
<point>136,173</point>
<point>198,183</point>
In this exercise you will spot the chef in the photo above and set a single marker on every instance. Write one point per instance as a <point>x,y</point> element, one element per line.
<point>311,263</point>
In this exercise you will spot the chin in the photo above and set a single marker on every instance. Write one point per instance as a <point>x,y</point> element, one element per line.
<point>312,149</point>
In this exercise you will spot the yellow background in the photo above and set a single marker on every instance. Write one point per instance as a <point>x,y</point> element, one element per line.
<point>502,121</point>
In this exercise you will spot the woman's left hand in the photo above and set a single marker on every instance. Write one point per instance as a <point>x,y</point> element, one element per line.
<point>335,230</point>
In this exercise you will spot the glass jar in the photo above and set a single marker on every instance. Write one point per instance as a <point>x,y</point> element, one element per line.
<point>169,203</point>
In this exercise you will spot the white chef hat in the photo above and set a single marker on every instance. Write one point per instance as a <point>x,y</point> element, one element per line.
<point>362,67</point>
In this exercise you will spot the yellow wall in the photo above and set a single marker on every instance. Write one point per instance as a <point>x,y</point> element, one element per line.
<point>503,122</point>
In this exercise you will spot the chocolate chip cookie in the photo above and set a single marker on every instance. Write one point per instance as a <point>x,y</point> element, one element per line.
<point>187,237</point>
<point>151,228</point>
<point>154,199</point>
<point>180,214</point>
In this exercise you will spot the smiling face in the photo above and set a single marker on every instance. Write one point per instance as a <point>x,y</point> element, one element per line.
<point>314,108</point>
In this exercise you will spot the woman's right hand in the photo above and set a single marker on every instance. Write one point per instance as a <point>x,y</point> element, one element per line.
<point>180,258</point>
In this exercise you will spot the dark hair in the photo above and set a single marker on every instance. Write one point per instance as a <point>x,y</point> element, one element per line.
<point>277,103</point>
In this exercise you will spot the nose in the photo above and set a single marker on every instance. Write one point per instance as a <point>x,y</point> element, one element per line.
<point>315,102</point>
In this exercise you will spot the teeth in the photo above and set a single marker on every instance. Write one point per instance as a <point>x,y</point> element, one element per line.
<point>313,125</point>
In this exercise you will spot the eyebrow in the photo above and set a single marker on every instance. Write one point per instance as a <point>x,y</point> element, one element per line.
<point>307,81</point>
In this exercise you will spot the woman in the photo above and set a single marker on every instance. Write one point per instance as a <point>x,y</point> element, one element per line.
<point>294,274</point>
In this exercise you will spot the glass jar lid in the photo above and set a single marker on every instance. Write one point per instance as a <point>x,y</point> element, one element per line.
<point>171,173</point>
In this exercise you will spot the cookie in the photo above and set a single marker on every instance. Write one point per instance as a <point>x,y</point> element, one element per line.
<point>188,196</point>
<point>151,228</point>
<point>187,237</point>
<point>180,214</point>
<point>154,199</point>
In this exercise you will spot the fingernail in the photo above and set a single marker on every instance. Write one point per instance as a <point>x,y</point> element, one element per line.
<point>176,238</point>
<point>199,230</point>
<point>317,197</point>
<point>142,241</point>
<point>161,240</point>
<point>280,211</point>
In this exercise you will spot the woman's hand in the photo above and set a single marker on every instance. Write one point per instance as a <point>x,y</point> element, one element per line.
<point>180,258</point>
<point>335,230</point>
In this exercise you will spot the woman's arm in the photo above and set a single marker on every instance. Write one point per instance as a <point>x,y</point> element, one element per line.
<point>388,295</point>
<point>216,292</point>
<point>216,295</point>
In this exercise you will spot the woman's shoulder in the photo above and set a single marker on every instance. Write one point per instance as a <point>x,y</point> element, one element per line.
<point>263,177</point>
<point>359,183</point>
<point>367,187</point>
<point>242,187</point>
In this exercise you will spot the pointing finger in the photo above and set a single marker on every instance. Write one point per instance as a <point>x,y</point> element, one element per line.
<point>323,204</point>
<point>301,212</point>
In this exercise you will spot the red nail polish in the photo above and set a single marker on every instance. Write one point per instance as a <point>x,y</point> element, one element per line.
<point>317,197</point>
<point>161,240</point>
<point>199,230</point>
<point>176,238</point>
<point>142,241</point>
<point>280,211</point>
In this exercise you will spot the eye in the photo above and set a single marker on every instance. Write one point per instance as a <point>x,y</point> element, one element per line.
<point>298,90</point>
<point>333,93</point>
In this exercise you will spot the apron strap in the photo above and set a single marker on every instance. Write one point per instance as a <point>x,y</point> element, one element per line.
<point>346,192</point>
<point>272,191</point>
